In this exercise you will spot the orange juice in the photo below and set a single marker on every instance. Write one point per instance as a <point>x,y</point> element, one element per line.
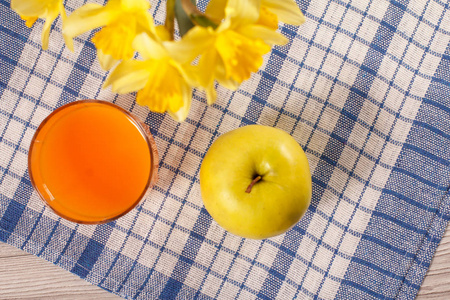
<point>91,161</point>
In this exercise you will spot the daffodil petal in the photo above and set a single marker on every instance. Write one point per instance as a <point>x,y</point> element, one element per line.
<point>269,36</point>
<point>129,76</point>
<point>197,40</point>
<point>86,18</point>
<point>211,94</point>
<point>67,39</point>
<point>206,68</point>
<point>216,9</point>
<point>148,47</point>
<point>183,112</point>
<point>286,10</point>
<point>106,61</point>
<point>242,12</point>
<point>29,7</point>
<point>135,4</point>
<point>46,29</point>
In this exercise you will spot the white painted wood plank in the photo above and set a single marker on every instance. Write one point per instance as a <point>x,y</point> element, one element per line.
<point>25,276</point>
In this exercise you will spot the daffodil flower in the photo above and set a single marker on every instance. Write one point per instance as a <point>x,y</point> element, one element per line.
<point>235,48</point>
<point>162,83</point>
<point>31,10</point>
<point>122,21</point>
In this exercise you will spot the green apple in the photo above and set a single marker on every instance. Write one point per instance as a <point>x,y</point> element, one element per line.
<point>255,181</point>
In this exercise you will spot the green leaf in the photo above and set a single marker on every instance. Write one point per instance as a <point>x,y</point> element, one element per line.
<point>184,22</point>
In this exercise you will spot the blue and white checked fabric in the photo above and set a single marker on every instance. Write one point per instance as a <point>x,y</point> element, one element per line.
<point>363,86</point>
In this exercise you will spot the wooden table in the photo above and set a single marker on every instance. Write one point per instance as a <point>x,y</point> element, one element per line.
<point>24,276</point>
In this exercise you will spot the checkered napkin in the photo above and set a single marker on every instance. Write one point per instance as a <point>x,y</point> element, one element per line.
<point>364,88</point>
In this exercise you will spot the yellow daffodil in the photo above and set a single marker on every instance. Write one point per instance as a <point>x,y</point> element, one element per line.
<point>31,10</point>
<point>122,21</point>
<point>161,82</point>
<point>235,48</point>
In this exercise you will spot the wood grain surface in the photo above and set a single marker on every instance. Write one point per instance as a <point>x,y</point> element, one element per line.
<point>24,276</point>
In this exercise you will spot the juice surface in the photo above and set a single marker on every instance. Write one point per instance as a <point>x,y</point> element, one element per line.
<point>90,162</point>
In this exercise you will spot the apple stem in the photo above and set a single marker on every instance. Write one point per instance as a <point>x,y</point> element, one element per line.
<point>249,188</point>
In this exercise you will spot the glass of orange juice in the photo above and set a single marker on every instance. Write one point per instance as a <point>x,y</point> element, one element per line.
<point>91,161</point>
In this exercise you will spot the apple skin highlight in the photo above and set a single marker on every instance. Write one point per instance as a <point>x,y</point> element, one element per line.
<point>276,201</point>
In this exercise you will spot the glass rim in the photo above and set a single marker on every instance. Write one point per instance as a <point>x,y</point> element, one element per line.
<point>140,125</point>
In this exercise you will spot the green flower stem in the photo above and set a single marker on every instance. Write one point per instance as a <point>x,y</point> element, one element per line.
<point>170,18</point>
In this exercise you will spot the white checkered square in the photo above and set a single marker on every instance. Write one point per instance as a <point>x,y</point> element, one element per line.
<point>318,141</point>
<point>318,10</point>
<point>324,36</point>
<point>341,43</point>
<point>7,153</point>
<point>374,145</point>
<point>229,291</point>
<point>348,73</point>
<point>339,266</point>
<point>343,212</point>
<point>351,21</point>
<point>268,116</point>
<point>378,9</point>
<point>148,255</point>
<point>425,32</point>
<point>19,163</point>
<point>348,158</point>
<point>132,247</point>
<point>358,135</point>
<point>312,280</point>
<point>369,198</point>
<point>332,64</point>
<point>166,263</point>
<point>323,258</point>
<point>333,235</point>
<point>195,276</point>
<point>387,68</point>
<point>329,289</point>
<point>412,56</point>
<point>390,153</point>
<point>24,109</point>
<point>256,278</point>
<point>14,131</point>
<point>359,221</point>
<point>403,77</point>
<point>222,263</point>
<point>267,254</point>
<point>394,98</point>
<point>176,241</point>
<point>358,52</point>
<point>305,80</point>
<point>9,185</point>
<point>159,233</point>
<point>368,28</point>
<point>410,108</point>
<point>239,269</point>
<point>368,112</point>
<point>339,95</point>
<point>334,13</point>
<point>354,189</point>
<point>338,180</point>
<point>408,24</point>
<point>322,87</point>
<point>384,122</point>
<point>349,244</point>
<point>115,240</point>
<point>311,59</point>
<point>400,131</point>
<point>298,48</point>
<point>287,291</point>
<point>17,82</point>
<point>45,64</point>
